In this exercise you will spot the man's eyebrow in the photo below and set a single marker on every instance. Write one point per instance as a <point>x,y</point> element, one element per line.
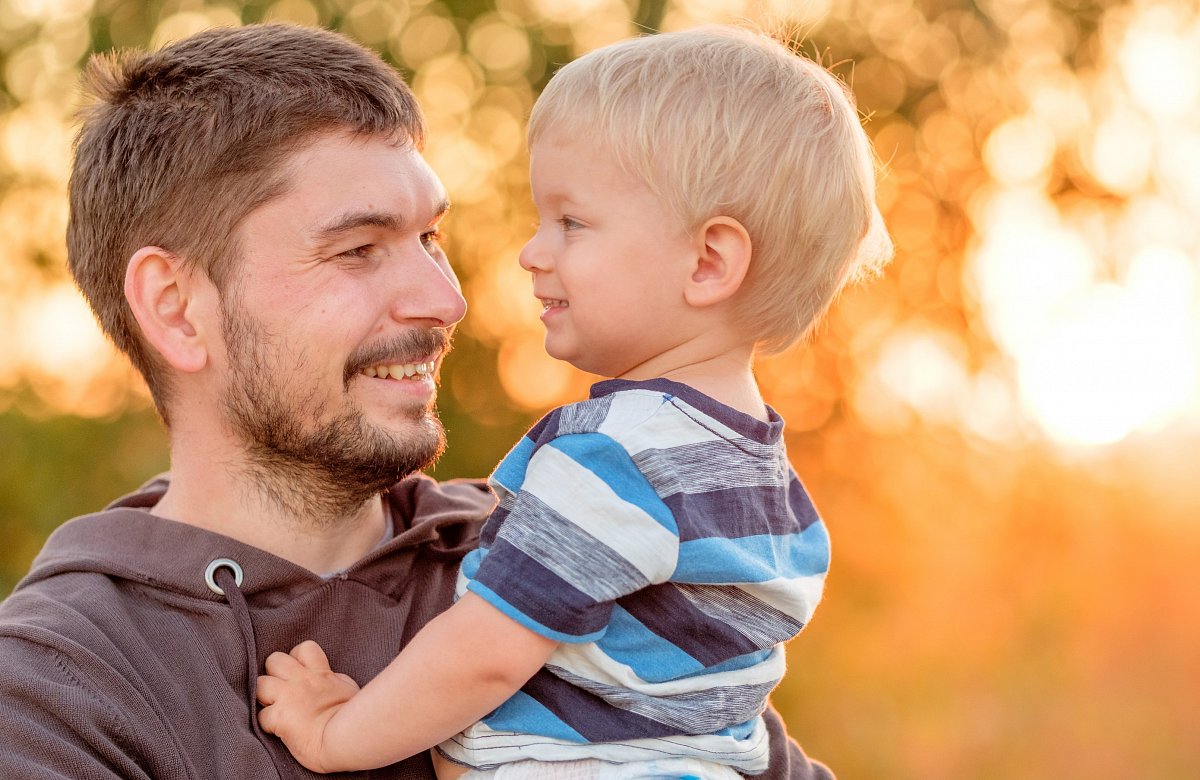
<point>354,220</point>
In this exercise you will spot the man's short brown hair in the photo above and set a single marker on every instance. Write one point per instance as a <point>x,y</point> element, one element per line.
<point>179,145</point>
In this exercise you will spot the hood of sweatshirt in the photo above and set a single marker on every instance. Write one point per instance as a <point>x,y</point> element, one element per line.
<point>434,519</point>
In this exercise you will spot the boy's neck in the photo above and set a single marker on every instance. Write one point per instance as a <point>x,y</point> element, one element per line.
<point>727,377</point>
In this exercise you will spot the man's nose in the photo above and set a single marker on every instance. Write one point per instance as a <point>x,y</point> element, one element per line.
<point>430,292</point>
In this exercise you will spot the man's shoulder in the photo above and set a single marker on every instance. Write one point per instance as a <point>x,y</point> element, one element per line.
<point>53,646</point>
<point>423,494</point>
<point>57,613</point>
<point>444,515</point>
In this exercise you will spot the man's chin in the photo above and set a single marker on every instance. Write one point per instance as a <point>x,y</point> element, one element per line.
<point>414,444</point>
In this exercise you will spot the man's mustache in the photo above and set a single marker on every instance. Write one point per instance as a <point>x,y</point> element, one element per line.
<point>411,346</point>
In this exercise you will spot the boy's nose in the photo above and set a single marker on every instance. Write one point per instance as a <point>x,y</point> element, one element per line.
<point>533,257</point>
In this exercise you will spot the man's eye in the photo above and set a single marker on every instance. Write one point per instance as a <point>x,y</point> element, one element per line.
<point>360,252</point>
<point>432,238</point>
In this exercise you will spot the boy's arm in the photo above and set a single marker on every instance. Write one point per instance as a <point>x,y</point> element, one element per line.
<point>459,667</point>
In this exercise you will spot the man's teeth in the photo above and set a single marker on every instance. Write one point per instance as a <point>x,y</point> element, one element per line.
<point>399,370</point>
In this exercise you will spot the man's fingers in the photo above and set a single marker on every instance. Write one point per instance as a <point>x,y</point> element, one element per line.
<point>310,654</point>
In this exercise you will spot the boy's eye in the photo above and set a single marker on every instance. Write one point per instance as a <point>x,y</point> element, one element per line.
<point>569,224</point>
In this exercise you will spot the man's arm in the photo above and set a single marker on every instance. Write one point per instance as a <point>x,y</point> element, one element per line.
<point>788,761</point>
<point>53,726</point>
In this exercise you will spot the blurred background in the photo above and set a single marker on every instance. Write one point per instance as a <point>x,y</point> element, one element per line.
<point>1002,431</point>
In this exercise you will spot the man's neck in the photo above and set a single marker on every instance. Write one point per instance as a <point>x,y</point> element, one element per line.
<point>222,493</point>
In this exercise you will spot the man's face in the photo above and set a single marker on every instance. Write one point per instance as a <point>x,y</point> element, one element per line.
<point>335,322</point>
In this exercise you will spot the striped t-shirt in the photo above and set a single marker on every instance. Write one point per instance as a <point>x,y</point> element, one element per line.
<point>664,540</point>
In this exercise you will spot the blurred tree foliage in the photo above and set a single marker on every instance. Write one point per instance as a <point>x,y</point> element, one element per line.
<point>59,467</point>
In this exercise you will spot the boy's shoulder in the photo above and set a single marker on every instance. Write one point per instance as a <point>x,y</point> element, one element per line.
<point>614,414</point>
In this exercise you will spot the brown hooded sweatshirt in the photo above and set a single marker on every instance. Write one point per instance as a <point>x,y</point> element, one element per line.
<point>118,661</point>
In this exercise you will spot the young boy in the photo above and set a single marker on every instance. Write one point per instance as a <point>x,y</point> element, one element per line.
<point>703,195</point>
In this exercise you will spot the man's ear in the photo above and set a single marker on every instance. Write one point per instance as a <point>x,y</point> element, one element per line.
<point>163,294</point>
<point>721,262</point>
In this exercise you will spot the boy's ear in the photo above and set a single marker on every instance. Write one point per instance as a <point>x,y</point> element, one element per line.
<point>163,293</point>
<point>720,264</point>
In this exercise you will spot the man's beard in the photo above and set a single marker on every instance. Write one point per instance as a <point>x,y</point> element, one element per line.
<point>319,466</point>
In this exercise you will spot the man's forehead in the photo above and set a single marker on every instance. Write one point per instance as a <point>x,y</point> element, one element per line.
<point>340,178</point>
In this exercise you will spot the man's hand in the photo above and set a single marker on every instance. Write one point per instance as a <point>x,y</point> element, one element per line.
<point>300,694</point>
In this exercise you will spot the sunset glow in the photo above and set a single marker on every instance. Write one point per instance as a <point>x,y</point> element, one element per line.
<point>1098,309</point>
<point>1099,327</point>
<point>1000,429</point>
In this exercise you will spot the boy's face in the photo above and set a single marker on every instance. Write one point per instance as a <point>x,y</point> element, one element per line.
<point>609,263</point>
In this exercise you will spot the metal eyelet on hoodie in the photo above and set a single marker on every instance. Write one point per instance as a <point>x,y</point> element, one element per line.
<point>222,563</point>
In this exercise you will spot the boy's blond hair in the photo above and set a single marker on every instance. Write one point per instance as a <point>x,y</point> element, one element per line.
<point>721,121</point>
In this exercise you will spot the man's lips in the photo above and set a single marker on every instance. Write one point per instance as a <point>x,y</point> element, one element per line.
<point>415,354</point>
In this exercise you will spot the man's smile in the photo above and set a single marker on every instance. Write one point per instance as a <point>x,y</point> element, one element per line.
<point>401,370</point>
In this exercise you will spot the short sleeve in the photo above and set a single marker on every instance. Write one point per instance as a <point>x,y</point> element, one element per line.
<point>583,528</point>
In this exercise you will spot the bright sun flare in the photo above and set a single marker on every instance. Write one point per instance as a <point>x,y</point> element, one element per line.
<point>1097,305</point>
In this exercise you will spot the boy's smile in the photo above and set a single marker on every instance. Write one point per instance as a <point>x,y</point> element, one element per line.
<point>609,262</point>
<point>550,306</point>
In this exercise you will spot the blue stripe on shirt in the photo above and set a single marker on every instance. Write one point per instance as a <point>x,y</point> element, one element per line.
<point>511,471</point>
<point>749,559</point>
<point>651,657</point>
<point>739,731</point>
<point>739,662</point>
<point>608,460</point>
<point>525,714</point>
